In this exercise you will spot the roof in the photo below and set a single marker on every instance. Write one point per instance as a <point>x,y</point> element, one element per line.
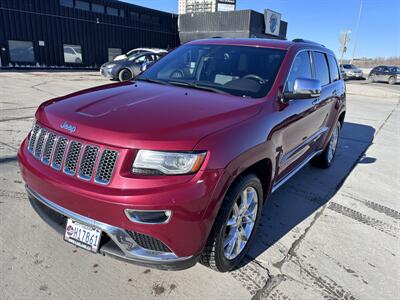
<point>265,43</point>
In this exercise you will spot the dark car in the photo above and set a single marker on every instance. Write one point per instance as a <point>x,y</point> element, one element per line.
<point>389,74</point>
<point>350,71</point>
<point>129,67</point>
<point>175,167</point>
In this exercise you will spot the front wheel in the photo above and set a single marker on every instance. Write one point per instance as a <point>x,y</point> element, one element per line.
<point>235,225</point>
<point>392,80</point>
<point>325,159</point>
<point>371,78</point>
<point>124,75</point>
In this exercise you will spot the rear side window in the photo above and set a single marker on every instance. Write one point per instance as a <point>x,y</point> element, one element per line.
<point>333,68</point>
<point>301,68</point>
<point>321,68</point>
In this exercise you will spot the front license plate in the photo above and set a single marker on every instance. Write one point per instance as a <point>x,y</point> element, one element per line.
<point>82,235</point>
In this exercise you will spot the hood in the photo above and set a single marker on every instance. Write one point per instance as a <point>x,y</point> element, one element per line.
<point>145,115</point>
<point>120,57</point>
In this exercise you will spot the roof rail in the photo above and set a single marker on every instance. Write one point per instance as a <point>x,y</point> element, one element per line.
<point>306,41</point>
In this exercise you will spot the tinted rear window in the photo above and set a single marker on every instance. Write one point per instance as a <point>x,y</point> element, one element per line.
<point>321,68</point>
<point>333,68</point>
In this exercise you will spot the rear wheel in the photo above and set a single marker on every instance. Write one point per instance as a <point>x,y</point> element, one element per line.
<point>392,80</point>
<point>235,225</point>
<point>325,159</point>
<point>124,75</point>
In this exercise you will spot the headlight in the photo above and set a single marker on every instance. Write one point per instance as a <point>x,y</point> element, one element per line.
<point>110,66</point>
<point>171,163</point>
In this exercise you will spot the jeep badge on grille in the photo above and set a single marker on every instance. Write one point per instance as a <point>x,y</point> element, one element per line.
<point>69,127</point>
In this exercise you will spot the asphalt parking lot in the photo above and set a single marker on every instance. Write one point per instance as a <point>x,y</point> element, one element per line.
<point>326,234</point>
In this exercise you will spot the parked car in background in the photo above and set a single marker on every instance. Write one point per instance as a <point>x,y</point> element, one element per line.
<point>389,74</point>
<point>350,71</point>
<point>72,55</point>
<point>175,167</point>
<point>129,67</point>
<point>138,51</point>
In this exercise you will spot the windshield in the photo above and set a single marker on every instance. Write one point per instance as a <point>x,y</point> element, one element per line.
<point>236,70</point>
<point>349,67</point>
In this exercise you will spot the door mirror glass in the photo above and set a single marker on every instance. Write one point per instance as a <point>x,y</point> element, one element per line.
<point>304,88</point>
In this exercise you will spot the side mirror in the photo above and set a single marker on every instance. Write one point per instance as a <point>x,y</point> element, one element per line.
<point>304,88</point>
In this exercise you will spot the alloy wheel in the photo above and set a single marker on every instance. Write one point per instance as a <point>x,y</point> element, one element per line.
<point>333,143</point>
<point>240,223</point>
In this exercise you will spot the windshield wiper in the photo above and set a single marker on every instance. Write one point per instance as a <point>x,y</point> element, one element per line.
<point>199,87</point>
<point>147,79</point>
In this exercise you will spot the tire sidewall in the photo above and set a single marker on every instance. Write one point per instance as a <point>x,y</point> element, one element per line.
<point>122,72</point>
<point>329,163</point>
<point>392,80</point>
<point>222,262</point>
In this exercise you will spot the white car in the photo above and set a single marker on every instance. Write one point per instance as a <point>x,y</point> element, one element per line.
<point>140,50</point>
<point>72,55</point>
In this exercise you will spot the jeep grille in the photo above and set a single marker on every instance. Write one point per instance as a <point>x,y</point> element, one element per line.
<point>73,157</point>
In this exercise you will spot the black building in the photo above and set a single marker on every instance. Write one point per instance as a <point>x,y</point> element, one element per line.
<point>229,24</point>
<point>85,33</point>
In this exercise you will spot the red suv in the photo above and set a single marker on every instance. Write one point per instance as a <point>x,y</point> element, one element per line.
<point>175,166</point>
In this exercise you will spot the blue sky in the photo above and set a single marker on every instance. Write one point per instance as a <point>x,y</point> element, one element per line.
<point>323,20</point>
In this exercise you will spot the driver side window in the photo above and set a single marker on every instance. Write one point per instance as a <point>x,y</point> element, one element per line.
<point>301,68</point>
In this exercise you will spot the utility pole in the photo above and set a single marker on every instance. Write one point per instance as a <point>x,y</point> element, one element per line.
<point>357,28</point>
<point>344,40</point>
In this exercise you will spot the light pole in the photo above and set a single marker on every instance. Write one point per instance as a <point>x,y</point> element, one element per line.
<point>344,40</point>
<point>357,29</point>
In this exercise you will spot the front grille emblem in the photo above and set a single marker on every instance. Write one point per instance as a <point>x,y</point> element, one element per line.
<point>69,127</point>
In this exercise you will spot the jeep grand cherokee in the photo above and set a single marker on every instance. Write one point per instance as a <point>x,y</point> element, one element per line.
<point>175,166</point>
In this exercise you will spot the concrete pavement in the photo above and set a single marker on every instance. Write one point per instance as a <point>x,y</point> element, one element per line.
<point>326,234</point>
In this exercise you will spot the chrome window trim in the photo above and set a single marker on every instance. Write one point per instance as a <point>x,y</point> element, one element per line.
<point>310,50</point>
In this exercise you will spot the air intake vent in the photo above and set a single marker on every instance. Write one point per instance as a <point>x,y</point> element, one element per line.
<point>48,149</point>
<point>39,143</point>
<point>33,137</point>
<point>59,153</point>
<point>72,158</point>
<point>106,166</point>
<point>148,242</point>
<point>88,162</point>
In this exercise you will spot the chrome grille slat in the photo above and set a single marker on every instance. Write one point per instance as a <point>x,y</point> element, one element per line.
<point>88,162</point>
<point>106,166</point>
<point>48,148</point>
<point>39,143</point>
<point>71,162</point>
<point>72,157</point>
<point>59,153</point>
<point>33,137</point>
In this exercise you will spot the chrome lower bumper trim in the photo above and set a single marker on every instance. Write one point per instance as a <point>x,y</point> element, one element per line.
<point>128,249</point>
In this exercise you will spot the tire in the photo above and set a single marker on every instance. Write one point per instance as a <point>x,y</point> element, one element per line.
<point>124,75</point>
<point>326,158</point>
<point>371,78</point>
<point>392,80</point>
<point>215,255</point>
<point>78,61</point>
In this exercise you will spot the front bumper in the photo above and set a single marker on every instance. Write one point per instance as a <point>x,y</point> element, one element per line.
<point>107,73</point>
<point>187,197</point>
<point>119,245</point>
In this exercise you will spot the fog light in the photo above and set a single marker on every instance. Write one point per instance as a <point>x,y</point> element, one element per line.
<point>148,216</point>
